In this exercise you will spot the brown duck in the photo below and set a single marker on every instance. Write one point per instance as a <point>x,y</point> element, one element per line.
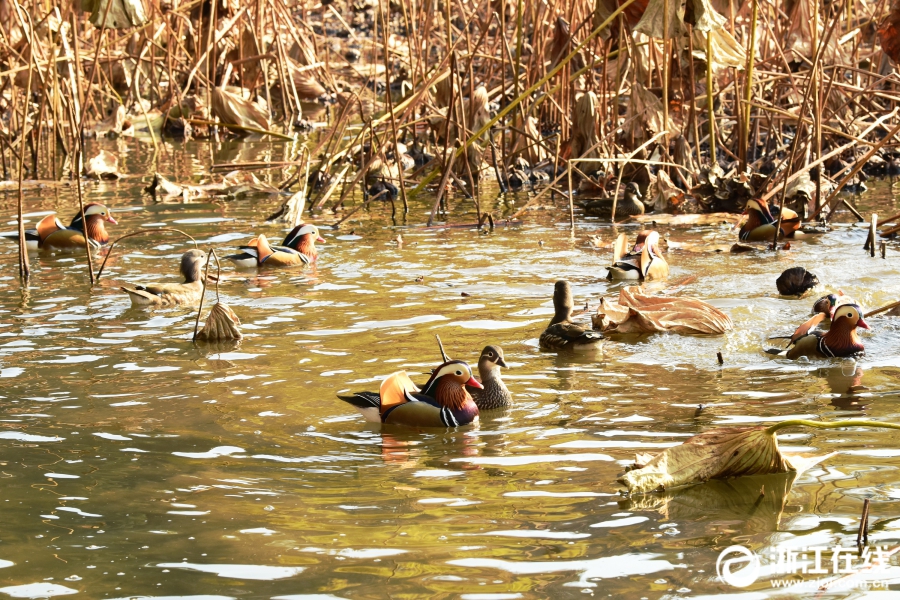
<point>169,294</point>
<point>495,394</point>
<point>839,341</point>
<point>562,333</point>
<point>51,234</point>
<point>443,402</point>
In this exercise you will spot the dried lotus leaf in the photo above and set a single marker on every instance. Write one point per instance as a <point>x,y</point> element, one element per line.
<point>637,313</point>
<point>716,454</point>
<point>103,166</point>
<point>232,109</point>
<point>221,324</point>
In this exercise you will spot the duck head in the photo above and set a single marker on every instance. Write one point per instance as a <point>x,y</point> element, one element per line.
<point>848,317</point>
<point>758,208</point>
<point>303,238</point>
<point>562,301</point>
<point>825,305</point>
<point>448,384</point>
<point>192,263</point>
<point>649,249</point>
<point>491,358</point>
<point>95,216</point>
<point>632,191</point>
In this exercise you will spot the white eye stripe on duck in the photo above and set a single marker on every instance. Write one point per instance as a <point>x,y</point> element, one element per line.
<point>96,209</point>
<point>457,369</point>
<point>308,229</point>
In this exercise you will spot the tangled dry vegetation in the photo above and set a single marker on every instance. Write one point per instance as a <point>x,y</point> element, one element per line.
<point>702,103</point>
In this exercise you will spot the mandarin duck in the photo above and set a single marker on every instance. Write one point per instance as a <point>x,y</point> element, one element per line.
<point>562,333</point>
<point>494,394</point>
<point>51,234</point>
<point>442,402</point>
<point>630,205</point>
<point>761,223</point>
<point>644,262</point>
<point>298,248</point>
<point>169,294</point>
<point>839,341</point>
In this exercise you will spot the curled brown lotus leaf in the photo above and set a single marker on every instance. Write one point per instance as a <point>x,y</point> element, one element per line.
<point>637,313</point>
<point>529,146</point>
<point>585,138</point>
<point>308,88</point>
<point>664,195</point>
<point>726,51</point>
<point>221,324</point>
<point>122,14</point>
<point>103,166</point>
<point>716,454</point>
<point>232,109</point>
<point>652,22</point>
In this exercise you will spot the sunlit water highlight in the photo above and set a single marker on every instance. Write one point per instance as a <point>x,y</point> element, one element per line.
<point>136,464</point>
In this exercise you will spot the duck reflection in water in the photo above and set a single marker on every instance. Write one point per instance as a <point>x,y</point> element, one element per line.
<point>404,449</point>
<point>845,381</point>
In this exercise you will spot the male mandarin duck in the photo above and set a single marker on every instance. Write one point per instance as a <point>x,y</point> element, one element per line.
<point>761,223</point>
<point>169,294</point>
<point>839,341</point>
<point>644,262</point>
<point>562,333</point>
<point>51,234</point>
<point>298,248</point>
<point>827,304</point>
<point>443,402</point>
<point>494,394</point>
<point>628,206</point>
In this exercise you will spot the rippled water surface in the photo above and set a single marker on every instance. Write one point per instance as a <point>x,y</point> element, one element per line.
<point>136,464</point>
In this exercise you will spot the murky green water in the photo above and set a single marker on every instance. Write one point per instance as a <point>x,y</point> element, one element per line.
<point>135,464</point>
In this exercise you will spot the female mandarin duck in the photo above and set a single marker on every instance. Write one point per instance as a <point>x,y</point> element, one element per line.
<point>760,224</point>
<point>840,340</point>
<point>495,394</point>
<point>298,248</point>
<point>645,261</point>
<point>630,205</point>
<point>562,333</point>
<point>169,294</point>
<point>443,402</point>
<point>51,234</point>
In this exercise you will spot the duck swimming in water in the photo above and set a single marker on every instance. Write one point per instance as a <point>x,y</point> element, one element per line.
<point>629,205</point>
<point>443,401</point>
<point>841,339</point>
<point>562,333</point>
<point>645,261</point>
<point>169,294</point>
<point>494,393</point>
<point>51,234</point>
<point>761,223</point>
<point>298,248</point>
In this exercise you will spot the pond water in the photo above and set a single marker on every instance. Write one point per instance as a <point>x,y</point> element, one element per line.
<point>136,464</point>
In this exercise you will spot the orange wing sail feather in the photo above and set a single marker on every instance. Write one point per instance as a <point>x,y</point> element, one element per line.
<point>394,388</point>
